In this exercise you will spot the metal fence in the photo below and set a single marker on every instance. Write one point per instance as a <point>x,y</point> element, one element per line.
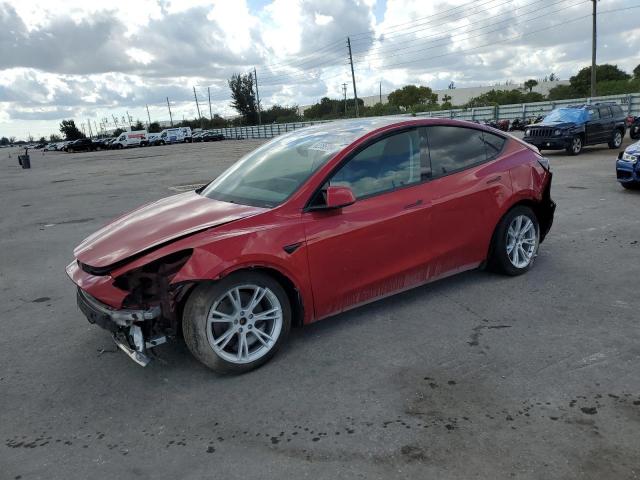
<point>630,104</point>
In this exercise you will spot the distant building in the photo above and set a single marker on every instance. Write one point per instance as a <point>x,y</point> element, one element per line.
<point>460,96</point>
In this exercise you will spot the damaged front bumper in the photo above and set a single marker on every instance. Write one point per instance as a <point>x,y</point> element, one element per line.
<point>126,326</point>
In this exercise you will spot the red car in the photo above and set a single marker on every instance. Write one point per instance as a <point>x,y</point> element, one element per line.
<point>309,225</point>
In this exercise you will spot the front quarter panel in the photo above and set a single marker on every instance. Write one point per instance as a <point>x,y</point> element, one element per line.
<point>250,243</point>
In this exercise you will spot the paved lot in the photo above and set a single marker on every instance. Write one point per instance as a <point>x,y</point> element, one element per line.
<point>476,376</point>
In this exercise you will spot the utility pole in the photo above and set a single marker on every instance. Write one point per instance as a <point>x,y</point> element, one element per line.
<point>353,75</point>
<point>96,127</point>
<point>90,132</point>
<point>344,93</point>
<point>593,49</point>
<point>197,106</point>
<point>148,117</point>
<point>170,117</point>
<point>115,120</point>
<point>128,119</point>
<point>210,112</point>
<point>380,91</point>
<point>255,75</point>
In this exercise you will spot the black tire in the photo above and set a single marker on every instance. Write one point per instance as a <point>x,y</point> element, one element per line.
<point>575,147</point>
<point>616,139</point>
<point>634,135</point>
<point>631,186</point>
<point>194,320</point>
<point>162,142</point>
<point>498,260</point>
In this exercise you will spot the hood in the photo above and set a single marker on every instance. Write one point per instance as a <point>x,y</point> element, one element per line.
<point>633,149</point>
<point>155,224</point>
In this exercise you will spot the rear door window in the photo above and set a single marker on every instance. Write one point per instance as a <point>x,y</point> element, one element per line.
<point>605,112</point>
<point>493,144</point>
<point>455,148</point>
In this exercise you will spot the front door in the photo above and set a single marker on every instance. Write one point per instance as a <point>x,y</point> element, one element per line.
<point>375,246</point>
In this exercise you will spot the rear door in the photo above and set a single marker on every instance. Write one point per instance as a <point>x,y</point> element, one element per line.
<point>377,245</point>
<point>608,124</point>
<point>593,127</point>
<point>466,194</point>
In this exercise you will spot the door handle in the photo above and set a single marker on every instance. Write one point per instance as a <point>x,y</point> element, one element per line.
<point>494,179</point>
<point>417,203</point>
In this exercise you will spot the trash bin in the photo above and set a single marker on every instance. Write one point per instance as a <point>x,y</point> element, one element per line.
<point>24,160</point>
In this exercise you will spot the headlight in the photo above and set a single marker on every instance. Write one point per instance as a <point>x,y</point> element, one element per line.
<point>527,132</point>
<point>629,158</point>
<point>557,132</point>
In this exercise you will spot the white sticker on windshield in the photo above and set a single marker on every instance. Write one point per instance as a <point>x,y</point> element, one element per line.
<point>324,147</point>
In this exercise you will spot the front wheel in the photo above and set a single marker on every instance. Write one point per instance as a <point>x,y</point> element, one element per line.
<point>616,140</point>
<point>631,185</point>
<point>575,147</point>
<point>515,242</point>
<point>237,323</point>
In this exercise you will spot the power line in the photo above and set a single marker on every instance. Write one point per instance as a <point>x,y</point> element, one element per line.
<point>515,37</point>
<point>417,43</point>
<point>466,27</point>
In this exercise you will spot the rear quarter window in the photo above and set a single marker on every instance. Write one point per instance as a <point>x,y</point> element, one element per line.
<point>617,111</point>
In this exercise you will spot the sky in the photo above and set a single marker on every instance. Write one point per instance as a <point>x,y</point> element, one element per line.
<point>93,61</point>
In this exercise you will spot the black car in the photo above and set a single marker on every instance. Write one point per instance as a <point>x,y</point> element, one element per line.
<point>573,127</point>
<point>212,137</point>
<point>84,144</point>
<point>634,128</point>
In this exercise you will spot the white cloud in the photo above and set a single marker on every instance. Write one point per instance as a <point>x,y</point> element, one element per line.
<point>90,60</point>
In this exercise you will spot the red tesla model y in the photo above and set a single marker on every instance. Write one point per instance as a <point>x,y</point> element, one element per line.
<point>311,224</point>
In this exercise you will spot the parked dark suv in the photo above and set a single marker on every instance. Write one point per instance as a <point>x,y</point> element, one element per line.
<point>575,126</point>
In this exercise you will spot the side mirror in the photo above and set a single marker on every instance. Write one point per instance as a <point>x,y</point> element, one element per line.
<point>338,197</point>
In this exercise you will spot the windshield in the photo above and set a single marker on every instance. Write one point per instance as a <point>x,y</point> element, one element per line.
<point>267,176</point>
<point>561,115</point>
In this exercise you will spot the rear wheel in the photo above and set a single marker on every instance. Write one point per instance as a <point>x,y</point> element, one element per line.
<point>238,323</point>
<point>515,242</point>
<point>616,140</point>
<point>575,147</point>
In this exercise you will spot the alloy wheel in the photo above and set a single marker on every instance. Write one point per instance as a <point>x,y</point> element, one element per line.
<point>617,139</point>
<point>244,323</point>
<point>522,241</point>
<point>576,145</point>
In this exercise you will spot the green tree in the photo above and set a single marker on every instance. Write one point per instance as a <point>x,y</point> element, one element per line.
<point>54,138</point>
<point>553,77</point>
<point>42,140</point>
<point>327,109</point>
<point>529,84</point>
<point>636,72</point>
<point>410,95</point>
<point>154,127</point>
<point>243,97</point>
<point>4,141</point>
<point>70,131</point>
<point>138,126</point>
<point>280,114</point>
<point>117,132</point>
<point>504,97</point>
<point>581,81</point>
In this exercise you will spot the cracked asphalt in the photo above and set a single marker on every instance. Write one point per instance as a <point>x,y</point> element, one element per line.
<point>476,376</point>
